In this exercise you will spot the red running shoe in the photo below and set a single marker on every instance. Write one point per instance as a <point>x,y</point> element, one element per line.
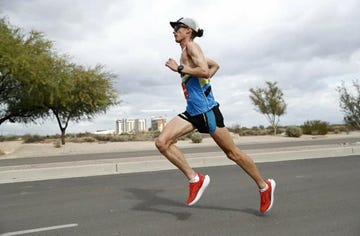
<point>197,189</point>
<point>267,197</point>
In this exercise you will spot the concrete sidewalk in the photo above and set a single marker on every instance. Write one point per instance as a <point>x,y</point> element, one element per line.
<point>44,171</point>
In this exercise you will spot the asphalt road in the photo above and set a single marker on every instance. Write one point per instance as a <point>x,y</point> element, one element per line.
<point>313,197</point>
<point>115,155</point>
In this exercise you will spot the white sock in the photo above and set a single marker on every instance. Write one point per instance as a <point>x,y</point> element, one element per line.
<point>195,179</point>
<point>265,188</point>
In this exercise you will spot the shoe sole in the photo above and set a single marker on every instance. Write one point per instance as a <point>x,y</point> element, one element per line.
<point>273,185</point>
<point>201,190</point>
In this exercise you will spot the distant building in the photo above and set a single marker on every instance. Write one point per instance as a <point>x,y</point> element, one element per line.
<point>130,126</point>
<point>104,132</point>
<point>158,123</point>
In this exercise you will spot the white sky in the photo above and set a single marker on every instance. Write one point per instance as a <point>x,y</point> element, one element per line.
<point>308,47</point>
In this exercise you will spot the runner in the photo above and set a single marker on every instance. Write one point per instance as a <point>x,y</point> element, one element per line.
<point>202,113</point>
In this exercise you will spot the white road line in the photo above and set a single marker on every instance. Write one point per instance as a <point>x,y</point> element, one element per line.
<point>28,231</point>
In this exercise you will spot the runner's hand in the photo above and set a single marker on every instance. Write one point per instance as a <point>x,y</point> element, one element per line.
<point>172,64</point>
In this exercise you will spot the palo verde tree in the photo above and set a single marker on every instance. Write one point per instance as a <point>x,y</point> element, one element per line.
<point>269,101</point>
<point>79,93</point>
<point>36,82</point>
<point>25,64</point>
<point>350,104</point>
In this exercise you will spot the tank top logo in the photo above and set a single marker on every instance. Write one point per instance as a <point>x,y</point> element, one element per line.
<point>186,94</point>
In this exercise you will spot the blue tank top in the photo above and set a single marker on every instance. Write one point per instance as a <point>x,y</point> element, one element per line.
<point>198,95</point>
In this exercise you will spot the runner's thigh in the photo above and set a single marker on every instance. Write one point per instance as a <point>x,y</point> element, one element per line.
<point>176,128</point>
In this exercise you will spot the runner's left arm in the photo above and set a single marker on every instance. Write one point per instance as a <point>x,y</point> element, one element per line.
<point>213,66</point>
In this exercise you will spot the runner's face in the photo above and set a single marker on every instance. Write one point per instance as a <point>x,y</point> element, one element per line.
<point>180,32</point>
<point>179,26</point>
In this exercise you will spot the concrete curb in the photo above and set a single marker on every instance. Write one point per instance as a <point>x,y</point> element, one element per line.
<point>25,173</point>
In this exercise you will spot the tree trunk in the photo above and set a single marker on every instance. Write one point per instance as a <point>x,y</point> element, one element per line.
<point>63,136</point>
<point>275,129</point>
<point>62,129</point>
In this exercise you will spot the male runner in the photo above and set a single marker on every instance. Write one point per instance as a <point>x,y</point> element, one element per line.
<point>202,113</point>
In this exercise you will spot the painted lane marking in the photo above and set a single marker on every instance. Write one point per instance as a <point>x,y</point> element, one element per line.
<point>28,231</point>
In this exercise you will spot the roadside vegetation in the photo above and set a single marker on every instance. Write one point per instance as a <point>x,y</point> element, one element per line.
<point>309,127</point>
<point>314,127</point>
<point>269,101</point>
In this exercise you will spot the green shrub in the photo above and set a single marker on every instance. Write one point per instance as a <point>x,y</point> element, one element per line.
<point>293,131</point>
<point>315,127</point>
<point>196,138</point>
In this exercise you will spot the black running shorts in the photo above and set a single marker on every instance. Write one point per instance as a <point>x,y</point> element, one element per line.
<point>206,122</point>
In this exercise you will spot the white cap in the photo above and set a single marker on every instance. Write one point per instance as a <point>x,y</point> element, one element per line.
<point>188,22</point>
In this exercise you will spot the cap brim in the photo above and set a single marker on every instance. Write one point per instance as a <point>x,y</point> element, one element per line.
<point>173,23</point>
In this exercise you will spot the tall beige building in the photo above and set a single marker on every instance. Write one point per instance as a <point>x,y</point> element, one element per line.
<point>126,126</point>
<point>158,123</point>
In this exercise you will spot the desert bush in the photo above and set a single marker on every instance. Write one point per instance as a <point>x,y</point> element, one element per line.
<point>33,138</point>
<point>125,138</point>
<point>9,138</point>
<point>315,127</point>
<point>57,144</point>
<point>293,131</point>
<point>255,131</point>
<point>337,129</point>
<point>234,129</point>
<point>104,138</point>
<point>88,139</point>
<point>85,139</point>
<point>196,138</point>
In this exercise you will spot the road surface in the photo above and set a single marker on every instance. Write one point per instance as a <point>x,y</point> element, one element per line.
<point>313,197</point>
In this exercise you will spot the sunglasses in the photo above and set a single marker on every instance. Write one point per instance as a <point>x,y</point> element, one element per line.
<point>178,26</point>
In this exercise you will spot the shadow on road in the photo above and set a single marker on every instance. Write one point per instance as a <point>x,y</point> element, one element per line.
<point>151,201</point>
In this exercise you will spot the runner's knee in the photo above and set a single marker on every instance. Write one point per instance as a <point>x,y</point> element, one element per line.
<point>161,144</point>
